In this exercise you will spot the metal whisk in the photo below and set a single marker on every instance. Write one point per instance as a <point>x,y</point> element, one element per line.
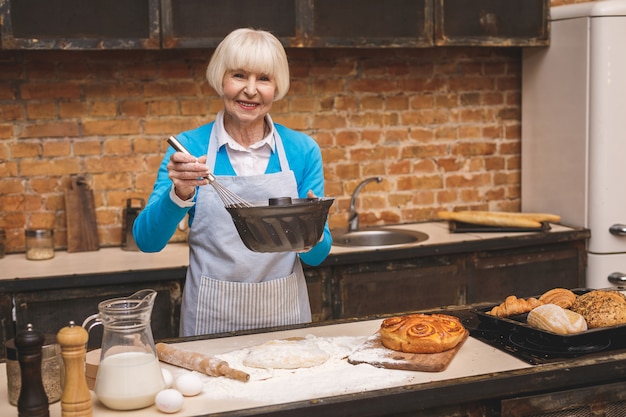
<point>229,198</point>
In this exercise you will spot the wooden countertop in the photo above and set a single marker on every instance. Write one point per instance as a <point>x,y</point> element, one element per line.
<point>477,372</point>
<point>281,386</point>
<point>113,260</point>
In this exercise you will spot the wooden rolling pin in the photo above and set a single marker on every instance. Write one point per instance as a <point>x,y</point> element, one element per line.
<point>198,362</point>
<point>496,218</point>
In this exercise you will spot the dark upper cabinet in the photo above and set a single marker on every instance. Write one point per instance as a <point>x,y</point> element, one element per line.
<point>170,24</point>
<point>492,22</point>
<point>369,23</point>
<point>80,24</point>
<point>300,23</point>
<point>202,23</point>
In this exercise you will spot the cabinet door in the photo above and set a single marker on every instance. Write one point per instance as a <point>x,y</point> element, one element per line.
<point>526,272</point>
<point>80,24</point>
<point>6,321</point>
<point>601,400</point>
<point>370,23</point>
<point>397,287</point>
<point>318,284</point>
<point>492,22</point>
<point>201,23</point>
<point>49,311</point>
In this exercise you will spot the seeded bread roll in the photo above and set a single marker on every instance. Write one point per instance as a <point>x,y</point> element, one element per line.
<point>556,319</point>
<point>562,297</point>
<point>422,333</point>
<point>601,308</point>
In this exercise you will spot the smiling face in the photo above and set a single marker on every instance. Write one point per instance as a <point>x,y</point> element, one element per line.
<point>248,96</point>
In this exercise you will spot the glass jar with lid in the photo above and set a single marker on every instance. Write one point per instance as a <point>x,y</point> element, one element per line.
<point>39,244</point>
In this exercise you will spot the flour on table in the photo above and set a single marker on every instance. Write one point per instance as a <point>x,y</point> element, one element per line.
<point>274,385</point>
<point>286,354</point>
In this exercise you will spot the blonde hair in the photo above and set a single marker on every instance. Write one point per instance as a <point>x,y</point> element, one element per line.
<point>250,50</point>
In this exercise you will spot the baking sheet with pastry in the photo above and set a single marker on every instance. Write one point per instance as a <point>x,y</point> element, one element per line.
<point>374,353</point>
<point>462,227</point>
<point>518,325</point>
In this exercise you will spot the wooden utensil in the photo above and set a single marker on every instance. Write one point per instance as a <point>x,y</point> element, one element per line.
<point>492,218</point>
<point>82,229</point>
<point>76,398</point>
<point>374,353</point>
<point>198,362</point>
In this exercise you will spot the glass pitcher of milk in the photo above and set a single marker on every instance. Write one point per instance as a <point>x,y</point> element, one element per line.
<point>129,375</point>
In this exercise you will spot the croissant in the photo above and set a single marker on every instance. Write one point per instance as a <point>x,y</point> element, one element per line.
<point>422,333</point>
<point>512,306</point>
<point>562,297</point>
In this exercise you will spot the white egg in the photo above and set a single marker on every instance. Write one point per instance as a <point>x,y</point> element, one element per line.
<point>169,401</point>
<point>189,384</point>
<point>168,378</point>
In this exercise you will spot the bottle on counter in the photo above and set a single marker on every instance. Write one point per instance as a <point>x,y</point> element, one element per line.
<point>39,244</point>
<point>32,401</point>
<point>52,372</point>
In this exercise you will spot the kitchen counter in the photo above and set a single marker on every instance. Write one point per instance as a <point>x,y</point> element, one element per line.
<point>173,256</point>
<point>478,372</point>
<point>447,269</point>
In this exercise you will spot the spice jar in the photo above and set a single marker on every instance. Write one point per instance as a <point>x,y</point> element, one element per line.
<point>2,239</point>
<point>52,370</point>
<point>39,244</point>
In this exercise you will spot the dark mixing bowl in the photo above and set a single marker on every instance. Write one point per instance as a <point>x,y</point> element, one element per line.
<point>284,225</point>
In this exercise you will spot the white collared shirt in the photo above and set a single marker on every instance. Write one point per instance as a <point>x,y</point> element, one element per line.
<point>245,161</point>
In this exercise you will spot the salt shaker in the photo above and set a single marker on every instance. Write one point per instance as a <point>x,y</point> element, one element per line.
<point>33,401</point>
<point>76,398</point>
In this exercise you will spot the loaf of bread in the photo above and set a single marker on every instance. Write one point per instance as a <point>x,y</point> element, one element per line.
<point>601,308</point>
<point>562,297</point>
<point>556,319</point>
<point>498,218</point>
<point>422,333</point>
<point>512,306</point>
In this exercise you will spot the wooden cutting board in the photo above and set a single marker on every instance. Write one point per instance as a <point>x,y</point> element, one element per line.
<point>82,229</point>
<point>374,353</point>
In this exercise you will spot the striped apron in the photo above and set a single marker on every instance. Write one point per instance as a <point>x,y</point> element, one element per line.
<point>229,287</point>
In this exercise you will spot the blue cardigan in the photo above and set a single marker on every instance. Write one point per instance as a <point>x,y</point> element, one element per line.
<point>158,221</point>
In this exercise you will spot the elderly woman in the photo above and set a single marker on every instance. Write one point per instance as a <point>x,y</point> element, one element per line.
<point>228,287</point>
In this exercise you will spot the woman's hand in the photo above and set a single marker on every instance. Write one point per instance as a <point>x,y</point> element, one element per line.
<point>187,172</point>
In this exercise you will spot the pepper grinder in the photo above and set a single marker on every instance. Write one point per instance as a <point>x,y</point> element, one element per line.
<point>33,401</point>
<point>76,398</point>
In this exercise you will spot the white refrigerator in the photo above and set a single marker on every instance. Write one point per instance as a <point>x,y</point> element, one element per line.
<point>574,130</point>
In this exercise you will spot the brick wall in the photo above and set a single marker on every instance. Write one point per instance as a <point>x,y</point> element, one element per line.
<point>441,125</point>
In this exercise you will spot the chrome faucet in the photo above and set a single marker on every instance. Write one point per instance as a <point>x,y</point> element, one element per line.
<point>353,217</point>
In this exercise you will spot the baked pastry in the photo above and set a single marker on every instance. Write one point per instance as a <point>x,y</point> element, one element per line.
<point>562,297</point>
<point>422,333</point>
<point>601,308</point>
<point>512,306</point>
<point>556,319</point>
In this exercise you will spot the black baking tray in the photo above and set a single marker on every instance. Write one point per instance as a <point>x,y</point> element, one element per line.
<point>462,227</point>
<point>517,325</point>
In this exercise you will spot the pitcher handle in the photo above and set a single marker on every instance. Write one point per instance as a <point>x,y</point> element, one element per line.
<point>93,318</point>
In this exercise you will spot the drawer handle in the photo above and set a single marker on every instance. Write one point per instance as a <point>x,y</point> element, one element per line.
<point>618,229</point>
<point>617,278</point>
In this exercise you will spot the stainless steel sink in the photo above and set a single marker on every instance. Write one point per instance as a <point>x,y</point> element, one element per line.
<point>378,237</point>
